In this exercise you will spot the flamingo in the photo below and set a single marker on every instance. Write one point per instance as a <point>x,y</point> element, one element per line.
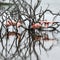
<point>13,23</point>
<point>37,38</point>
<point>40,38</point>
<point>36,25</point>
<point>46,23</point>
<point>46,38</point>
<point>13,34</point>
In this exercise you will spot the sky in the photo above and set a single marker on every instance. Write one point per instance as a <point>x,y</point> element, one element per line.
<point>54,5</point>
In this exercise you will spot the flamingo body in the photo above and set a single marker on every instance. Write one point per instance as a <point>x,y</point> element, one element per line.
<point>36,25</point>
<point>12,23</point>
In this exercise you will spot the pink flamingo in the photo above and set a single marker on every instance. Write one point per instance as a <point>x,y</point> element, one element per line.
<point>46,38</point>
<point>46,23</point>
<point>36,25</point>
<point>13,34</point>
<point>13,23</point>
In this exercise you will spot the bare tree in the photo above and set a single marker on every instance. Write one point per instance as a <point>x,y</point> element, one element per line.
<point>25,37</point>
